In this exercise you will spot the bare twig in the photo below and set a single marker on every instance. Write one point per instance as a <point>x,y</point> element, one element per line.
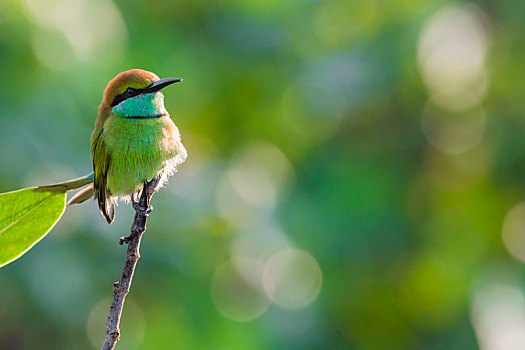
<point>121,288</point>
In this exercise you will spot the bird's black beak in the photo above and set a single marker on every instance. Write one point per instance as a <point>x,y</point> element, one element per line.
<point>160,84</point>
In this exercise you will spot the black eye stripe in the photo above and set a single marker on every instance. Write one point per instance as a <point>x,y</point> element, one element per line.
<point>130,92</point>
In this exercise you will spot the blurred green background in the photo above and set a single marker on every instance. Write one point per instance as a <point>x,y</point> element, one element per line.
<point>355,180</point>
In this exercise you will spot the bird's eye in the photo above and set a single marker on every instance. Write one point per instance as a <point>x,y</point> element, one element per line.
<point>130,91</point>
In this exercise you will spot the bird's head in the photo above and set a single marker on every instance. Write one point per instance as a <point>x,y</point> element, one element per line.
<point>135,94</point>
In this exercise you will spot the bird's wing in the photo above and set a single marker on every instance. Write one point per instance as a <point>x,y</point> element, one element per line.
<point>101,161</point>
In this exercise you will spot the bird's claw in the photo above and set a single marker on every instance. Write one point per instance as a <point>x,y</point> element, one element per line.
<point>133,200</point>
<point>139,209</point>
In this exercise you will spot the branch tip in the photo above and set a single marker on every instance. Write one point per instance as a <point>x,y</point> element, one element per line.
<point>121,287</point>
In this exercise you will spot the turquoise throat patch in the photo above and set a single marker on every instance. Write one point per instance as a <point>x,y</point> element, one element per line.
<point>144,105</point>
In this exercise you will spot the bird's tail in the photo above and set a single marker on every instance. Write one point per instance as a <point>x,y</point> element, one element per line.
<point>74,184</point>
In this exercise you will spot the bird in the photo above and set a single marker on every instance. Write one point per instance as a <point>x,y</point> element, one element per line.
<point>134,141</point>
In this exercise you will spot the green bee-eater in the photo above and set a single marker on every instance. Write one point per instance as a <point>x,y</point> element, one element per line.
<point>134,141</point>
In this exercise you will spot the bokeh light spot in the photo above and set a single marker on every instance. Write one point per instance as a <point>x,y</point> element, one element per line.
<point>259,241</point>
<point>292,278</point>
<point>236,297</point>
<point>457,172</point>
<point>451,55</point>
<point>257,174</point>
<point>100,35</point>
<point>453,132</point>
<point>498,317</point>
<point>513,232</point>
<point>52,50</point>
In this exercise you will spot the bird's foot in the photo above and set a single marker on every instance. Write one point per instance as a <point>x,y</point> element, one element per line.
<point>138,208</point>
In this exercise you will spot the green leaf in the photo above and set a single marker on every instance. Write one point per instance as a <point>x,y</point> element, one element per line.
<point>26,216</point>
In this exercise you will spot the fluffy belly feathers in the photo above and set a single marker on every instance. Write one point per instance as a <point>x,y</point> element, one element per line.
<point>140,149</point>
